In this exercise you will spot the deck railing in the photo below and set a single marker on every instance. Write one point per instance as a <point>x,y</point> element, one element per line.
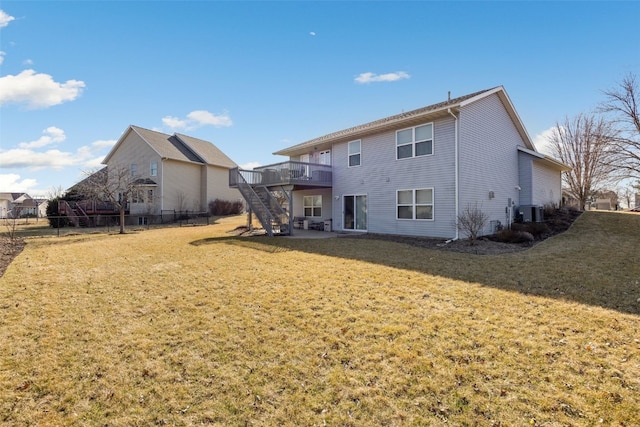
<point>285,173</point>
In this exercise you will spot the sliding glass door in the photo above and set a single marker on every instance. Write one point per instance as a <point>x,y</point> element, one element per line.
<point>355,212</point>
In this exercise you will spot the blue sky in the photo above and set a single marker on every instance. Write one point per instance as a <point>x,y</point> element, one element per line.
<point>255,77</point>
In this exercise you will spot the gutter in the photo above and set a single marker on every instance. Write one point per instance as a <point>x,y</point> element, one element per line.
<point>456,170</point>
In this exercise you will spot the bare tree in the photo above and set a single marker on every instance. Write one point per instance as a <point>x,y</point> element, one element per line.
<point>621,103</point>
<point>585,143</point>
<point>114,184</point>
<point>472,221</point>
<point>11,222</point>
<point>627,194</point>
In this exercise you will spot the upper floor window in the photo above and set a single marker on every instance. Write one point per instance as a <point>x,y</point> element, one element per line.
<point>414,142</point>
<point>354,153</point>
<point>134,169</point>
<point>325,157</point>
<point>153,169</point>
<point>312,205</point>
<point>415,204</point>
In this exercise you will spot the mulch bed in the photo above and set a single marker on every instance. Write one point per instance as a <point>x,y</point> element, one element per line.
<point>557,223</point>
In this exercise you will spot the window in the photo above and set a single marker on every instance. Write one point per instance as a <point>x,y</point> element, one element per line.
<point>143,220</point>
<point>325,157</point>
<point>415,204</point>
<point>354,153</point>
<point>134,169</point>
<point>153,169</point>
<point>137,196</point>
<point>149,196</point>
<point>414,142</point>
<point>312,206</point>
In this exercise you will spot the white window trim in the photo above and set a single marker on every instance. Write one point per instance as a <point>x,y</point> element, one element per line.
<point>414,142</point>
<point>151,170</point>
<point>414,204</point>
<point>349,154</point>
<point>312,206</point>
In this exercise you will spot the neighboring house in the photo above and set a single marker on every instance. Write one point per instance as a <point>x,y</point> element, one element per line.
<point>17,205</point>
<point>173,173</point>
<point>412,173</point>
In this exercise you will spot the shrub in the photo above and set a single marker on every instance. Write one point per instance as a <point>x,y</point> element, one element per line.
<point>472,221</point>
<point>219,207</point>
<point>55,219</point>
<point>513,236</point>
<point>536,229</point>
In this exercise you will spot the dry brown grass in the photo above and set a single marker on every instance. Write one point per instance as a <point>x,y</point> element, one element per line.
<point>190,326</point>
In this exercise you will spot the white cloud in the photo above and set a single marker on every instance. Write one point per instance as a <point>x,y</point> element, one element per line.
<point>27,158</point>
<point>27,62</point>
<point>5,18</point>
<point>250,166</point>
<point>103,143</point>
<point>196,119</point>
<point>373,78</point>
<point>2,54</point>
<point>37,90</point>
<point>52,135</point>
<point>541,141</point>
<point>94,163</point>
<point>312,33</point>
<point>174,122</point>
<point>203,118</point>
<point>27,154</point>
<point>12,182</point>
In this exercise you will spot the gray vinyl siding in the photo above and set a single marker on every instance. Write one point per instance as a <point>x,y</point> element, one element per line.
<point>547,189</point>
<point>525,163</point>
<point>381,175</point>
<point>488,158</point>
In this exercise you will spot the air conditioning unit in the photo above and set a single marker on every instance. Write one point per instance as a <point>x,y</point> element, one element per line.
<point>531,213</point>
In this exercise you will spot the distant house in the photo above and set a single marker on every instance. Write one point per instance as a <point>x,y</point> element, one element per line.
<point>18,205</point>
<point>175,173</point>
<point>410,174</point>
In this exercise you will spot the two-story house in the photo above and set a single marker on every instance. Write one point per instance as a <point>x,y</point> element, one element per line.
<point>412,173</point>
<point>171,173</point>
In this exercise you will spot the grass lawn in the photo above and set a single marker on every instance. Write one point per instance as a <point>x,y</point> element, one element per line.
<point>191,326</point>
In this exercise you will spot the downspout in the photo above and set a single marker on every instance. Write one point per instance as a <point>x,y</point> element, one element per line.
<point>456,170</point>
<point>161,186</point>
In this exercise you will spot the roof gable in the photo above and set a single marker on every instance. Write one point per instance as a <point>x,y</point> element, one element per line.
<point>176,147</point>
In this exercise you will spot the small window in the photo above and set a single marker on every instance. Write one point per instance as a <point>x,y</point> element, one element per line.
<point>143,220</point>
<point>354,153</point>
<point>414,142</point>
<point>153,169</point>
<point>149,196</point>
<point>312,206</point>
<point>134,169</point>
<point>415,204</point>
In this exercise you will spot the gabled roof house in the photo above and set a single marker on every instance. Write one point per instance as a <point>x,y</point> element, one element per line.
<point>412,173</point>
<point>174,172</point>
